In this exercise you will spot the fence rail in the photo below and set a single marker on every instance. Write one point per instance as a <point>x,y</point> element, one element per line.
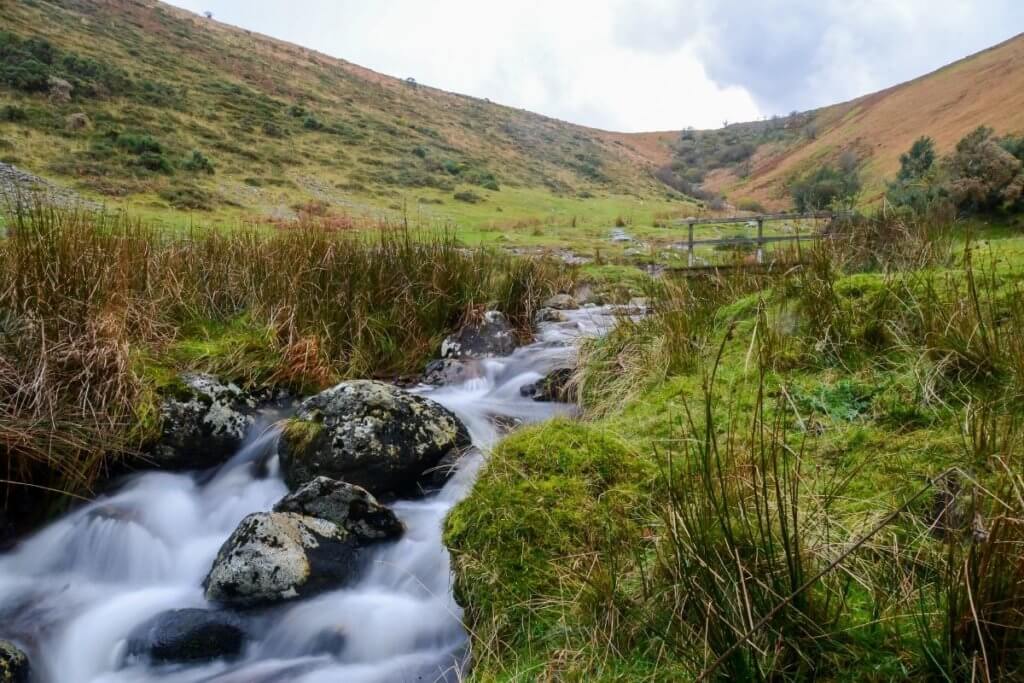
<point>759,220</point>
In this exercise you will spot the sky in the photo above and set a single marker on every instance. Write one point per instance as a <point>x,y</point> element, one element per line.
<point>639,65</point>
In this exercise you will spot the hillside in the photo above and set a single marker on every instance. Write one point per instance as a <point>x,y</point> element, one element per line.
<point>984,89</point>
<point>138,102</point>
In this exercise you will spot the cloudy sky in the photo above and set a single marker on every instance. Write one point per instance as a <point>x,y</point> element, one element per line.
<point>635,65</point>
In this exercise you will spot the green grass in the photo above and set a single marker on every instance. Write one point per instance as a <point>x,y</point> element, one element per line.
<point>762,436</point>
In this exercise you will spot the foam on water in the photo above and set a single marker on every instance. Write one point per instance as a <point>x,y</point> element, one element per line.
<point>73,592</point>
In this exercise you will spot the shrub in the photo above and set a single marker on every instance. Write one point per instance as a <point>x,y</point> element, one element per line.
<point>312,123</point>
<point>13,114</point>
<point>197,162</point>
<point>188,197</point>
<point>138,144</point>
<point>748,204</point>
<point>468,197</point>
<point>154,161</point>
<point>983,174</point>
<point>827,187</point>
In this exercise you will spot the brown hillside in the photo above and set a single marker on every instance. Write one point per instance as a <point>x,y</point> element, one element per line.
<point>985,88</point>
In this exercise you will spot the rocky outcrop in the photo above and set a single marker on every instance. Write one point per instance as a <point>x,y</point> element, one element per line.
<point>490,336</point>
<point>445,371</point>
<point>14,665</point>
<point>561,302</point>
<point>369,434</point>
<point>555,386</point>
<point>204,422</point>
<point>276,556</point>
<point>187,635</point>
<point>351,507</point>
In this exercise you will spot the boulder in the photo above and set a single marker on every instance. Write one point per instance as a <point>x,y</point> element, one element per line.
<point>549,315</point>
<point>350,507</point>
<point>555,386</point>
<point>187,635</point>
<point>491,335</point>
<point>444,371</point>
<point>14,666</point>
<point>561,302</point>
<point>204,422</point>
<point>369,434</point>
<point>276,556</point>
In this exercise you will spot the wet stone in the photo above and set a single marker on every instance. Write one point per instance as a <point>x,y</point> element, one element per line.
<point>187,635</point>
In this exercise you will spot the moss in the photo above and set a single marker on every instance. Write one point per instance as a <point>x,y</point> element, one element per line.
<point>552,511</point>
<point>300,435</point>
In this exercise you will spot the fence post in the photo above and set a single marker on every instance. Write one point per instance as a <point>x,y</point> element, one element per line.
<point>760,239</point>
<point>689,245</point>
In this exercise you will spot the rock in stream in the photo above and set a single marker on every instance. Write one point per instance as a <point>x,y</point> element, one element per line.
<point>369,434</point>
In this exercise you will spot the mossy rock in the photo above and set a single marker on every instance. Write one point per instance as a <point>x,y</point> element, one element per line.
<point>14,664</point>
<point>370,434</point>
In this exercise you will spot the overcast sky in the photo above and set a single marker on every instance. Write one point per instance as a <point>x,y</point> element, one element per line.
<point>634,65</point>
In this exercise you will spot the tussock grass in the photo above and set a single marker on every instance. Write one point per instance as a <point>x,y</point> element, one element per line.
<point>98,310</point>
<point>829,461</point>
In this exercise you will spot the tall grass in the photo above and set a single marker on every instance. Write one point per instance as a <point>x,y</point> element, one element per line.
<point>90,302</point>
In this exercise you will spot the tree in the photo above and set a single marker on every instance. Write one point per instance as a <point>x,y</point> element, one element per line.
<point>917,184</point>
<point>917,162</point>
<point>983,174</point>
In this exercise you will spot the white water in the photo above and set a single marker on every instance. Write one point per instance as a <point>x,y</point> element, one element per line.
<point>71,594</point>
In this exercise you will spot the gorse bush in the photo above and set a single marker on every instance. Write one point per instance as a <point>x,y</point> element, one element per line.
<point>95,309</point>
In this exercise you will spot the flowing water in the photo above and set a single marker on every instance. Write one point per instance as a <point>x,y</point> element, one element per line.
<point>72,594</point>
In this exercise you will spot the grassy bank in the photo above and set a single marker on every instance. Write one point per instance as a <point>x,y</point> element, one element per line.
<point>99,312</point>
<point>813,475</point>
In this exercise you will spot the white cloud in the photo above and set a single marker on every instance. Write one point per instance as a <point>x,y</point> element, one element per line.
<point>640,64</point>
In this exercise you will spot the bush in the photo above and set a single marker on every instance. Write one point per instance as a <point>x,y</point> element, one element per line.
<point>312,123</point>
<point>468,197</point>
<point>188,197</point>
<point>197,162</point>
<point>747,204</point>
<point>138,144</point>
<point>827,187</point>
<point>13,114</point>
<point>983,174</point>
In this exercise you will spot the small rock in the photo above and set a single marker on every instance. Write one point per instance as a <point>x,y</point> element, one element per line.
<point>187,635</point>
<point>639,305</point>
<point>276,556</point>
<point>445,371</point>
<point>14,665</point>
<point>349,506</point>
<point>561,302</point>
<point>490,336</point>
<point>435,478</point>
<point>549,315</point>
<point>203,423</point>
<point>370,434</point>
<point>555,386</point>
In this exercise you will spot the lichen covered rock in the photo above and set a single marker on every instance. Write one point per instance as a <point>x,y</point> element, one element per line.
<point>351,507</point>
<point>369,434</point>
<point>187,635</point>
<point>561,302</point>
<point>203,422</point>
<point>445,371</point>
<point>277,556</point>
<point>490,336</point>
<point>14,665</point>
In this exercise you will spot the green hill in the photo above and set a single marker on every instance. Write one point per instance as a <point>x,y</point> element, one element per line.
<point>133,101</point>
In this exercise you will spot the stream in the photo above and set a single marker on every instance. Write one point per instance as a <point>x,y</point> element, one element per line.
<point>71,594</point>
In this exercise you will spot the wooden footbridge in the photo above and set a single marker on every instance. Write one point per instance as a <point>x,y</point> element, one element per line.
<point>757,223</point>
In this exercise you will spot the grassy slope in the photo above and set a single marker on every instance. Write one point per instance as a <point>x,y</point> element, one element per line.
<point>984,89</point>
<point>384,146</point>
<point>560,551</point>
